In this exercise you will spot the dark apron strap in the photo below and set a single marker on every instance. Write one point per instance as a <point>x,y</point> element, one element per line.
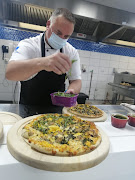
<point>43,46</point>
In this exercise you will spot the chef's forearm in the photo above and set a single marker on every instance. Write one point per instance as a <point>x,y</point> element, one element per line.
<point>23,70</point>
<point>75,85</point>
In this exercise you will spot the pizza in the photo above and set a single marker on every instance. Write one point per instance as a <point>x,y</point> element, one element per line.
<point>61,135</point>
<point>86,110</point>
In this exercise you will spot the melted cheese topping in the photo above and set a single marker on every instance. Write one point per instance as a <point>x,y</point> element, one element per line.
<point>62,134</point>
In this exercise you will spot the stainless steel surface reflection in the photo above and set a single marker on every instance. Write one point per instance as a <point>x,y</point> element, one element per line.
<point>13,108</point>
<point>109,109</point>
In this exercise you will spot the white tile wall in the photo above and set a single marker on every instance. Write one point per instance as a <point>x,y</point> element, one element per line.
<point>102,77</point>
<point>6,86</point>
<point>100,94</point>
<point>124,59</point>
<point>114,64</point>
<point>100,85</point>
<point>114,57</point>
<point>103,70</point>
<point>85,60</point>
<point>110,70</point>
<point>95,69</point>
<point>95,77</point>
<point>95,55</point>
<point>105,56</point>
<point>94,62</point>
<point>86,54</point>
<point>104,63</point>
<point>110,78</point>
<point>6,96</point>
<point>131,65</point>
<point>123,65</point>
<point>94,84</point>
<point>103,66</point>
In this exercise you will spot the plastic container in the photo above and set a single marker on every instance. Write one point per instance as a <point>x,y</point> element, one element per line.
<point>63,101</point>
<point>119,120</point>
<point>131,120</point>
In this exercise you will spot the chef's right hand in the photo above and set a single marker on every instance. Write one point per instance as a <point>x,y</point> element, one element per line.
<point>59,63</point>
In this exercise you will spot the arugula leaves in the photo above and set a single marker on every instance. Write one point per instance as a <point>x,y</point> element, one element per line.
<point>69,72</point>
<point>62,94</point>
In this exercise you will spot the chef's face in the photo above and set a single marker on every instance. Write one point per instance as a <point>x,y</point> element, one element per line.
<point>61,27</point>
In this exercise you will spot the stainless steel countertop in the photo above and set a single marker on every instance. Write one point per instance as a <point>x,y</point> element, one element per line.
<point>109,109</point>
<point>13,108</point>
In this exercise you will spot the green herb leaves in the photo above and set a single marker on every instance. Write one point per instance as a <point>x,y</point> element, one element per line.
<point>69,72</point>
<point>62,94</point>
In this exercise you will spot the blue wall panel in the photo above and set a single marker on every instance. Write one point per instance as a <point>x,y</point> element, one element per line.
<point>18,35</point>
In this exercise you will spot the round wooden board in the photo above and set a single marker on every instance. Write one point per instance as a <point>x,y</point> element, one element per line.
<point>23,153</point>
<point>8,118</point>
<point>100,119</point>
<point>1,129</point>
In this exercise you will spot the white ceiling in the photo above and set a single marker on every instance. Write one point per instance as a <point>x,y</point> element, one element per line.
<point>127,5</point>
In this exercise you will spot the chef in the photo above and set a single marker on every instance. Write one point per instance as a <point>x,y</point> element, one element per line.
<point>42,63</point>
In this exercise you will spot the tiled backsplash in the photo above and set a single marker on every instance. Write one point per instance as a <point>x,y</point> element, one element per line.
<point>102,59</point>
<point>15,34</point>
<point>103,66</point>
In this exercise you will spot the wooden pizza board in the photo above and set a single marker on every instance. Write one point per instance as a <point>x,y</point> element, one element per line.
<point>8,118</point>
<point>24,153</point>
<point>100,119</point>
<point>1,129</point>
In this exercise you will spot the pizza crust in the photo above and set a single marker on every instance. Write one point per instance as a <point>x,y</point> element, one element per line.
<point>54,151</point>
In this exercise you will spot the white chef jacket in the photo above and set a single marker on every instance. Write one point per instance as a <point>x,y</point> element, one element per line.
<point>31,48</point>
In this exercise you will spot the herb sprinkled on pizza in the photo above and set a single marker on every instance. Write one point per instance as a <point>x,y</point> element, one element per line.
<point>86,110</point>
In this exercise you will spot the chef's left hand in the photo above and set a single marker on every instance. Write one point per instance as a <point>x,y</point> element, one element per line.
<point>71,91</point>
